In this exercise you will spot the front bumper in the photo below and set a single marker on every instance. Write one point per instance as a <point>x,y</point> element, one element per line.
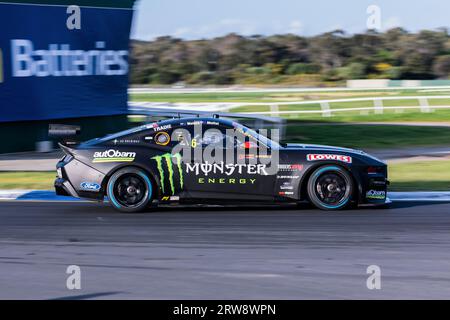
<point>375,191</point>
<point>381,204</point>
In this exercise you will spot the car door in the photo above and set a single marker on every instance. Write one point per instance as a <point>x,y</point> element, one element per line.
<point>238,174</point>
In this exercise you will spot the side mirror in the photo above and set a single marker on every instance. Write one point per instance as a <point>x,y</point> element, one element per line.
<point>250,145</point>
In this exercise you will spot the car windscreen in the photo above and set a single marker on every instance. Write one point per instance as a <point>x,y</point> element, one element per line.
<point>261,138</point>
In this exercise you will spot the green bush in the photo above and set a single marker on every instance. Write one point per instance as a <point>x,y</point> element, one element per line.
<point>302,68</point>
<point>201,77</point>
<point>354,70</point>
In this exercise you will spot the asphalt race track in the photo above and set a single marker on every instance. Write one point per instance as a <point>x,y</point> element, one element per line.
<point>223,253</point>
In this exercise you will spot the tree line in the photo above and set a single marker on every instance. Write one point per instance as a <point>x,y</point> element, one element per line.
<point>328,58</point>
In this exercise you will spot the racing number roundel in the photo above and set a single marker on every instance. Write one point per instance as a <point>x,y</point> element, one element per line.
<point>162,138</point>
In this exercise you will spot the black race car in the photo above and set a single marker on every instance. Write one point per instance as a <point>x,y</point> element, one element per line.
<point>214,160</point>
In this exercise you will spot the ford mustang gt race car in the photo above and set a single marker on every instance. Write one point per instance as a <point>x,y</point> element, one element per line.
<point>215,160</point>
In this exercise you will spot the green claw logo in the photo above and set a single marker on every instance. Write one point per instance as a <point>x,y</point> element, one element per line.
<point>166,160</point>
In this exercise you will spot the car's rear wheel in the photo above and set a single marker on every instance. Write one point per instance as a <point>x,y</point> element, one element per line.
<point>130,190</point>
<point>330,188</point>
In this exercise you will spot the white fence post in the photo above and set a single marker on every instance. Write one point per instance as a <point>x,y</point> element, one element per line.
<point>378,106</point>
<point>274,109</point>
<point>326,109</point>
<point>424,105</point>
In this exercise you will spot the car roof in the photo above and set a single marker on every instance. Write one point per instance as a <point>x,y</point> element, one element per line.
<point>193,119</point>
<point>160,123</point>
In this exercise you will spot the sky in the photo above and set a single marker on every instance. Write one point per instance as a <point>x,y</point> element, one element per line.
<point>199,19</point>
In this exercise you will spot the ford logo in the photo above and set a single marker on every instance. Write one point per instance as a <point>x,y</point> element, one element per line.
<point>90,186</point>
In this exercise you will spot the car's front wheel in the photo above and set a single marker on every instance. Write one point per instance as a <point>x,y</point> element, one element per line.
<point>130,190</point>
<point>330,188</point>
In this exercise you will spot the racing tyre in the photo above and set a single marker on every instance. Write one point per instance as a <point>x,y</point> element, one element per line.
<point>130,190</point>
<point>330,188</point>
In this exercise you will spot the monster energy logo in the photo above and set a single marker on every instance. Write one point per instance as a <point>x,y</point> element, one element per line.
<point>167,160</point>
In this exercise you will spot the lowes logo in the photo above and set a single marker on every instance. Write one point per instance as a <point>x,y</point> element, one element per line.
<point>334,157</point>
<point>88,186</point>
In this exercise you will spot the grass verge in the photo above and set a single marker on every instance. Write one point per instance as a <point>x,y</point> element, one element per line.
<point>274,96</point>
<point>367,136</point>
<point>27,180</point>
<point>420,176</point>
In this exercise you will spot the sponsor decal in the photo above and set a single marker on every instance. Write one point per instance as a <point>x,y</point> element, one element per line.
<point>290,167</point>
<point>173,198</point>
<point>126,141</point>
<point>158,128</point>
<point>284,193</point>
<point>113,156</point>
<point>227,169</point>
<point>89,186</point>
<point>286,186</point>
<point>288,177</point>
<point>195,123</point>
<point>166,161</point>
<point>376,195</point>
<point>254,156</point>
<point>378,183</point>
<point>334,157</point>
<point>246,156</point>
<point>162,138</point>
<point>225,181</point>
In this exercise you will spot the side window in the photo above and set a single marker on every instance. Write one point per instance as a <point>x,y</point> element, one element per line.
<point>195,138</point>
<point>212,136</point>
<point>181,136</point>
<point>209,135</point>
<point>243,140</point>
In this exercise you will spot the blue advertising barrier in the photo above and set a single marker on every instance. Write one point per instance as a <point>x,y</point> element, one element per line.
<point>50,71</point>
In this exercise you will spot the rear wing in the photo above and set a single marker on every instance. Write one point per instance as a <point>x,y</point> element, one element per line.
<point>67,150</point>
<point>64,133</point>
